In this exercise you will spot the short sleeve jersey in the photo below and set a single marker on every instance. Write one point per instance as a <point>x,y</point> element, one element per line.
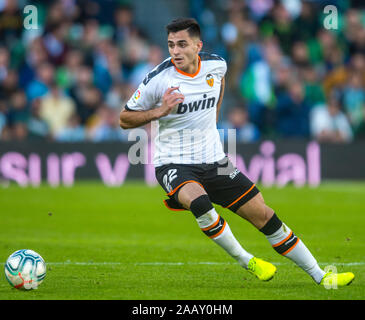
<point>188,135</point>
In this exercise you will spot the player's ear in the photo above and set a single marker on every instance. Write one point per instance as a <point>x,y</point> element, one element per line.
<point>199,45</point>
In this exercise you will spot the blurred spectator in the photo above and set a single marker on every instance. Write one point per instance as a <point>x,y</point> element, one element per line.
<point>89,38</point>
<point>329,123</point>
<point>55,109</point>
<point>88,9</point>
<point>40,86</point>
<point>293,7</point>
<point>327,51</point>
<point>259,8</point>
<point>124,24</point>
<point>128,37</point>
<point>37,127</point>
<point>11,25</point>
<point>106,126</point>
<point>256,84</point>
<point>337,78</point>
<point>35,55</point>
<point>141,69</point>
<point>66,74</point>
<point>56,13</point>
<point>281,77</point>
<point>83,78</point>
<point>299,54</point>
<point>293,112</point>
<point>118,95</point>
<point>307,23</point>
<point>354,100</point>
<point>10,83</point>
<point>238,119</point>
<point>232,34</point>
<point>3,118</point>
<point>54,42</point>
<point>19,131</point>
<point>281,62</point>
<point>4,63</point>
<point>313,88</point>
<point>73,131</point>
<point>86,96</point>
<point>358,43</point>
<point>8,77</point>
<point>352,26</point>
<point>18,111</point>
<point>280,24</point>
<point>107,66</point>
<point>89,100</point>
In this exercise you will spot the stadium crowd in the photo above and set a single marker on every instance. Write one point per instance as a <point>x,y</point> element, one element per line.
<point>288,76</point>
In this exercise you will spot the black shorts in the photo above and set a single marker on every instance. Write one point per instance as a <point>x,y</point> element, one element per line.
<point>224,184</point>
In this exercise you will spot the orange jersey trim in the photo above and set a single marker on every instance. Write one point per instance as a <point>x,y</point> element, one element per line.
<point>191,75</point>
<point>240,196</point>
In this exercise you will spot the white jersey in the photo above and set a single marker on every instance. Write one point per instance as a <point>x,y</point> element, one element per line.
<point>188,135</point>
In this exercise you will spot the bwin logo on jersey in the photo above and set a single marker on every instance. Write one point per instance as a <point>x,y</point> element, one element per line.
<point>196,105</point>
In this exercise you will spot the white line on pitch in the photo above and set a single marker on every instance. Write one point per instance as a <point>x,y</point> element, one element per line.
<point>90,263</point>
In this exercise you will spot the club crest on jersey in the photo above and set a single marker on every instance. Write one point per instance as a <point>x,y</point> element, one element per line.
<point>210,80</point>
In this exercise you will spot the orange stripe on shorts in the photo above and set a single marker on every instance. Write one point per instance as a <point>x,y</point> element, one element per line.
<point>181,184</point>
<point>240,197</point>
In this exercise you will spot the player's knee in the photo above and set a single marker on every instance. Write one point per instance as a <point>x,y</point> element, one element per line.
<point>201,205</point>
<point>187,193</point>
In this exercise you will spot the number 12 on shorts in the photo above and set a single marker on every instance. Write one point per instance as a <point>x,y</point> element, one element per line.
<point>168,178</point>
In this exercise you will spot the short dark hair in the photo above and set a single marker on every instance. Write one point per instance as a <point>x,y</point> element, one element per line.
<point>188,24</point>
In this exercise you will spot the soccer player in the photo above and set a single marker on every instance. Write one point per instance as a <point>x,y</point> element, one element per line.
<point>184,94</point>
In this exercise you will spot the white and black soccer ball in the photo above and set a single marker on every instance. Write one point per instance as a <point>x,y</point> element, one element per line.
<point>25,269</point>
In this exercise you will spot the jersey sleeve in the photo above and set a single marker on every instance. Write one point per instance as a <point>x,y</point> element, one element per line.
<point>144,98</point>
<point>222,69</point>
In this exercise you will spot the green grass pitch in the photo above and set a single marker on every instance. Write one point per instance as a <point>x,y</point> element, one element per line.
<point>122,243</point>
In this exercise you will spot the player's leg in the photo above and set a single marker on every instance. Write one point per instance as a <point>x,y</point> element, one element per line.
<point>279,235</point>
<point>283,240</point>
<point>193,197</point>
<point>229,188</point>
<point>184,191</point>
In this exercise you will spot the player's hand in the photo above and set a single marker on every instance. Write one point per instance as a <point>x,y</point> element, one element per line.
<point>169,100</point>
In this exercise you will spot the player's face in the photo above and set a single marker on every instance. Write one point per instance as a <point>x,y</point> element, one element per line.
<point>184,50</point>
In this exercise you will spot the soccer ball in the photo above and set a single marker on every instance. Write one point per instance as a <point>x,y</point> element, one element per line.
<point>25,269</point>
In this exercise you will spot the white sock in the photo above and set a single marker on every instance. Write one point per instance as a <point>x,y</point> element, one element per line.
<point>287,244</point>
<point>216,228</point>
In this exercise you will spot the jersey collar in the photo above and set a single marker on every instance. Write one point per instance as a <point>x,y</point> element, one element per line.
<point>191,75</point>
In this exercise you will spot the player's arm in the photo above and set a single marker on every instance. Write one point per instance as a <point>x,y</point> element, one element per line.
<point>221,94</point>
<point>133,119</point>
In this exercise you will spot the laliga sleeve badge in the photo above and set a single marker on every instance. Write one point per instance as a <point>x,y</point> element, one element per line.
<point>136,95</point>
<point>210,80</point>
